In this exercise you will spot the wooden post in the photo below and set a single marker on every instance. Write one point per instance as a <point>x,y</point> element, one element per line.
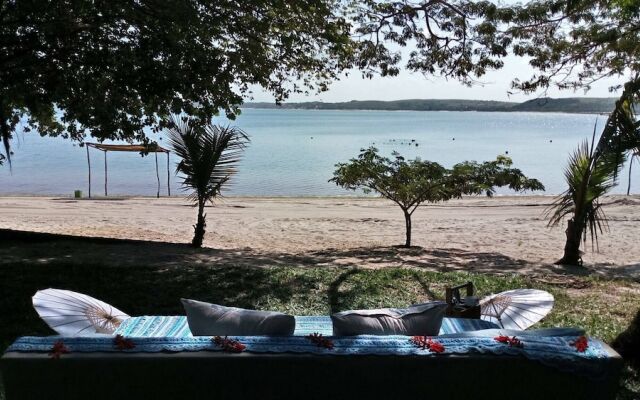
<point>630,166</point>
<point>89,164</point>
<point>168,177</point>
<point>157,175</point>
<point>105,173</point>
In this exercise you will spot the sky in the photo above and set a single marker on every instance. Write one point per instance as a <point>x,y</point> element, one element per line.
<point>495,86</point>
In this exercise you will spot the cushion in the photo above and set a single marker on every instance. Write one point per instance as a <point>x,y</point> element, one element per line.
<point>424,319</point>
<point>206,319</point>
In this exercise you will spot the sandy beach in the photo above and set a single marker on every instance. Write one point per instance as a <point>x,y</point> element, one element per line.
<point>501,235</point>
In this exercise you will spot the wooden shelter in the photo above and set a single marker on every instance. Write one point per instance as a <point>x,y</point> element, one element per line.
<point>137,148</point>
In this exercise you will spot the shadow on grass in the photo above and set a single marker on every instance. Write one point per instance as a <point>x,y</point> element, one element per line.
<point>426,287</point>
<point>139,291</point>
<point>143,278</point>
<point>627,343</point>
<point>337,297</point>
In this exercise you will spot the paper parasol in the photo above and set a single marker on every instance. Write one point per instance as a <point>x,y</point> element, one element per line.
<point>76,314</point>
<point>516,309</point>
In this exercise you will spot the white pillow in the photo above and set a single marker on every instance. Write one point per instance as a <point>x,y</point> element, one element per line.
<point>206,319</point>
<point>424,319</point>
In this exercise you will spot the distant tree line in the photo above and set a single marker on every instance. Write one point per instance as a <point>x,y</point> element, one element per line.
<point>566,105</point>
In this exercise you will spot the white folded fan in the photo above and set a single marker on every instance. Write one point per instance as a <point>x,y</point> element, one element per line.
<point>516,309</point>
<point>76,314</point>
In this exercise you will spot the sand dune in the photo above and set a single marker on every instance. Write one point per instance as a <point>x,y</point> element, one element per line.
<point>508,233</point>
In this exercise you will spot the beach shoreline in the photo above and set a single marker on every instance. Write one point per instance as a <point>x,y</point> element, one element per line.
<point>503,234</point>
<point>184,196</point>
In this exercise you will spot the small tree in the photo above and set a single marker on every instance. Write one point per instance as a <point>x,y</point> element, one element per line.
<point>413,182</point>
<point>209,157</point>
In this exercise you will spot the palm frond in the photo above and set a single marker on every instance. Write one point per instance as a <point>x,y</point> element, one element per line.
<point>589,176</point>
<point>621,135</point>
<point>574,175</point>
<point>209,155</point>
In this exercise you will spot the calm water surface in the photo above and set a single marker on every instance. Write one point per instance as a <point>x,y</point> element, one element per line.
<point>293,152</point>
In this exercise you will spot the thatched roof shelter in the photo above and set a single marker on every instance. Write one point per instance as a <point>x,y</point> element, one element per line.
<point>136,148</point>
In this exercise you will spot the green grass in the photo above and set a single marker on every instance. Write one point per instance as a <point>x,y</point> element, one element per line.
<point>603,307</point>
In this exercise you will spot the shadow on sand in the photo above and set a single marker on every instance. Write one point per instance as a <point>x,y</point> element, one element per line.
<point>43,248</point>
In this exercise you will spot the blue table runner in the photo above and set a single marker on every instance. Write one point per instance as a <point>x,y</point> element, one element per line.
<point>176,326</point>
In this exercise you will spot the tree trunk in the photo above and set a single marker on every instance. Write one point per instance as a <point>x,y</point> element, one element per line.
<point>407,221</point>
<point>198,236</point>
<point>5,134</point>
<point>572,246</point>
<point>630,166</point>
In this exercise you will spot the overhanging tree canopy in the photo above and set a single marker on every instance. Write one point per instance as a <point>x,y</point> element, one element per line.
<point>132,148</point>
<point>108,69</point>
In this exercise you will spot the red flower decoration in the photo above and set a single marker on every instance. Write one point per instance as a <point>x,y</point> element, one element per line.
<point>320,341</point>
<point>58,349</point>
<point>511,341</point>
<point>123,343</point>
<point>502,339</point>
<point>426,343</point>
<point>581,344</point>
<point>436,347</point>
<point>229,345</point>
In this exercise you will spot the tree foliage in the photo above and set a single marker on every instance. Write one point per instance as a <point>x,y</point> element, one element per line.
<point>570,43</point>
<point>458,39</point>
<point>574,43</point>
<point>209,156</point>
<point>112,68</point>
<point>410,183</point>
<point>621,134</point>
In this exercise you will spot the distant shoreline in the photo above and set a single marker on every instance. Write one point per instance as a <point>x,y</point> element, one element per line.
<point>470,111</point>
<point>569,105</point>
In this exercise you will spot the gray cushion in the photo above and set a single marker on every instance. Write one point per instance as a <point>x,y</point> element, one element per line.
<point>424,319</point>
<point>206,319</point>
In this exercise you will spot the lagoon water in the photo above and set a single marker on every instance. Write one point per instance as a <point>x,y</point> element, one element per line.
<point>293,152</point>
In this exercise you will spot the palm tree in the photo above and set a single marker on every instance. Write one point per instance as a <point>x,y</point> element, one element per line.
<point>209,157</point>
<point>589,176</point>
<point>592,172</point>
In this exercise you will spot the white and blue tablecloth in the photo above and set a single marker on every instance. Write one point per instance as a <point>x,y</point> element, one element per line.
<point>464,336</point>
<point>555,351</point>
